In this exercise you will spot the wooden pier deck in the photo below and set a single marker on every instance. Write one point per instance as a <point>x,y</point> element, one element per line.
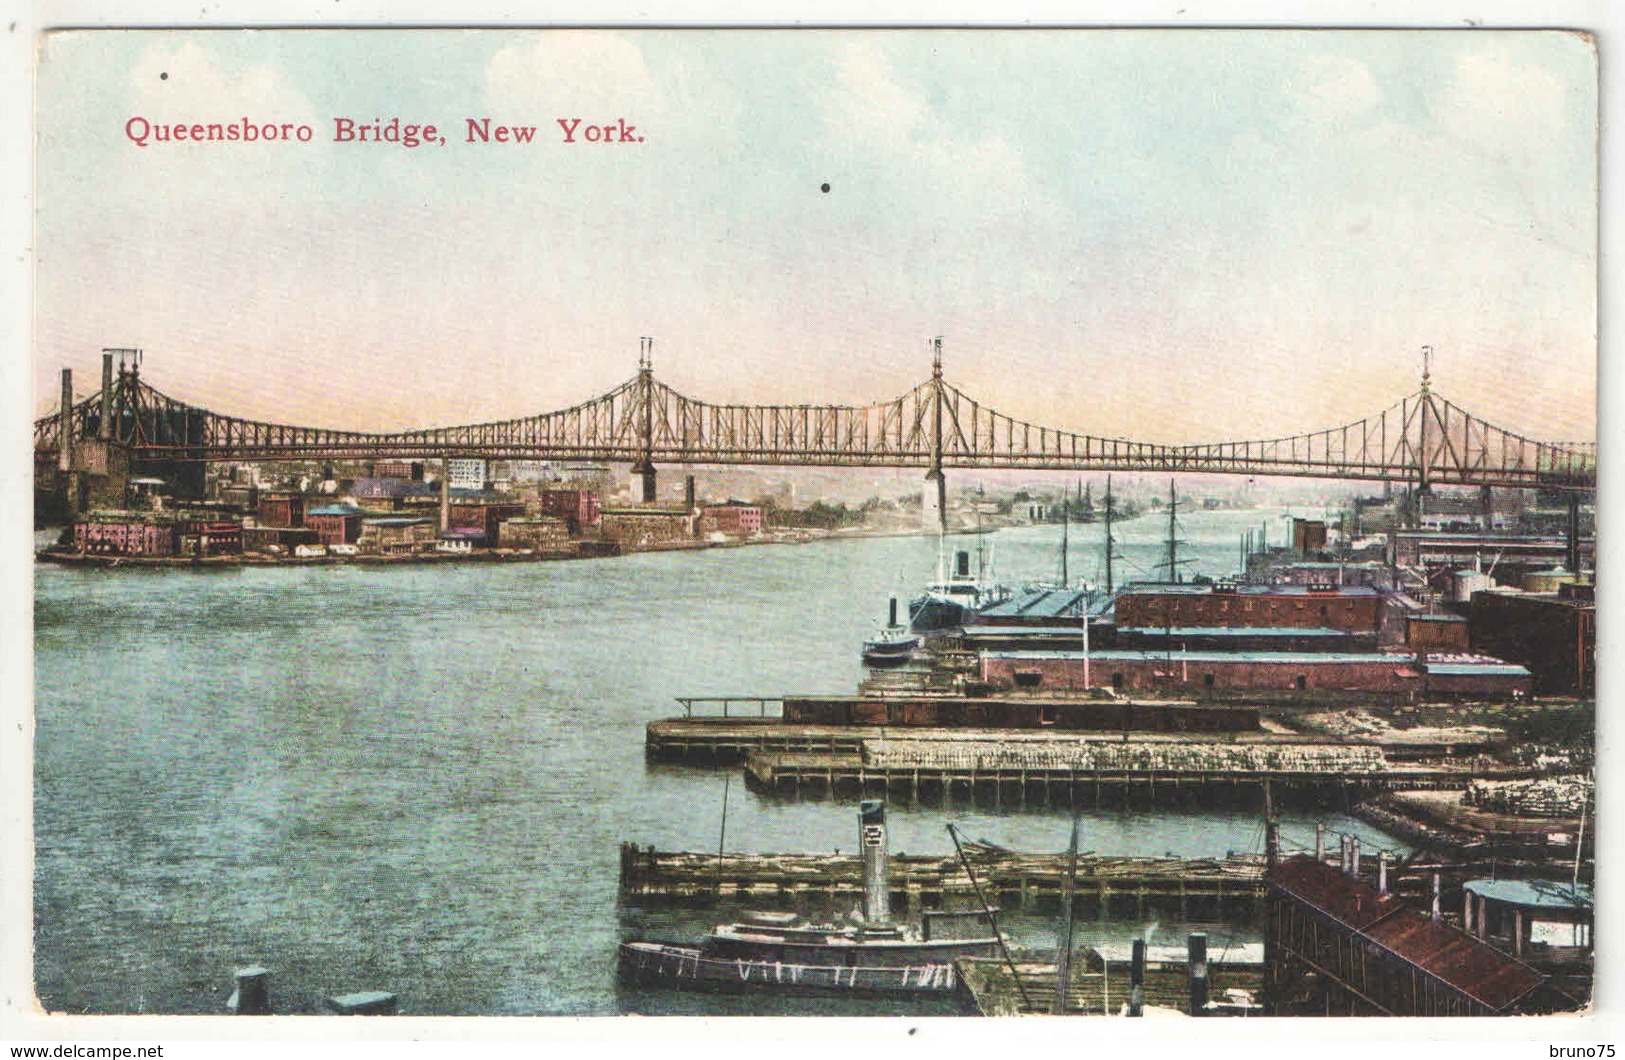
<point>1105,885</point>
<point>1017,771</point>
<point>716,741</point>
<point>1097,988</point>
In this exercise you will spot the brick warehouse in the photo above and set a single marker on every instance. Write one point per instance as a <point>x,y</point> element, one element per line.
<point>1350,608</point>
<point>1198,674</point>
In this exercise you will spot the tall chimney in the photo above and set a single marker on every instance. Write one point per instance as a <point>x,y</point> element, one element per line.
<point>876,875</point>
<point>64,449</point>
<point>105,428</point>
<point>1382,872</point>
<point>688,493</point>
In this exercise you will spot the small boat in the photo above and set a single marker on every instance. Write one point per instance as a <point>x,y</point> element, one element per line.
<point>892,645</point>
<point>778,951</point>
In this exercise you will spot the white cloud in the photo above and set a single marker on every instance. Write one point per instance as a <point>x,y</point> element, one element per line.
<point>1329,88</point>
<point>1494,95</point>
<point>592,73</point>
<point>186,81</point>
<point>945,170</point>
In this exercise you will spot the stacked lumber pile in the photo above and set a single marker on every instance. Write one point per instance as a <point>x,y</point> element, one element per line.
<point>1544,797</point>
<point>993,755</point>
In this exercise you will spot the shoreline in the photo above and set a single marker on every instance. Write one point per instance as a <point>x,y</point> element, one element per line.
<point>596,550</point>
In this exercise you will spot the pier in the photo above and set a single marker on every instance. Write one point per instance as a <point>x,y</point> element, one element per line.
<point>1105,885</point>
<point>1099,986</point>
<point>1020,770</point>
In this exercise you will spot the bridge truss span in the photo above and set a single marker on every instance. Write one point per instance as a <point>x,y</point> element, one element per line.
<point>1423,438</point>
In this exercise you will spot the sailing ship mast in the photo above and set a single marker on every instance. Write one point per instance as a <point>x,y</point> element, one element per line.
<point>1173,537</point>
<point>1066,523</point>
<point>1110,544</point>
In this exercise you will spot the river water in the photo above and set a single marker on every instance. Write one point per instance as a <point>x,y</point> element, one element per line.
<point>417,778</point>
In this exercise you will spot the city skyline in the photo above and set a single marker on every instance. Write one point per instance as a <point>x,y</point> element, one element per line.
<point>1241,234</point>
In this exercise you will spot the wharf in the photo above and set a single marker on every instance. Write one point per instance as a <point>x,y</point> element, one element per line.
<point>757,724</point>
<point>728,740</point>
<point>1100,988</point>
<point>1014,770</point>
<point>1107,885</point>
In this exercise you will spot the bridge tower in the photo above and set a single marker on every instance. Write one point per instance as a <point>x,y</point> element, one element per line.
<point>93,464</point>
<point>934,498</point>
<point>643,469</point>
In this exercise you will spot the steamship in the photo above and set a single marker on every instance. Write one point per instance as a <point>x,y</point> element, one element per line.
<point>778,951</point>
<point>947,604</point>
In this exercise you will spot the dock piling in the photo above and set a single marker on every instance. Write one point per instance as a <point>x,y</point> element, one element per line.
<point>1136,980</point>
<point>1197,949</point>
<point>253,994</point>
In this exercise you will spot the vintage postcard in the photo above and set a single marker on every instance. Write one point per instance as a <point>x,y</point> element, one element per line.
<point>1061,526</point>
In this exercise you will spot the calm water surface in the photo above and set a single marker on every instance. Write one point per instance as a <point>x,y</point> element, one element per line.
<point>417,779</point>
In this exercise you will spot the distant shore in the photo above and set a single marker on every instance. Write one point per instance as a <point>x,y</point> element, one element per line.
<point>595,550</point>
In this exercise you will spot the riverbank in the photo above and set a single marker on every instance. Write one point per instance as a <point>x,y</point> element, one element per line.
<point>587,549</point>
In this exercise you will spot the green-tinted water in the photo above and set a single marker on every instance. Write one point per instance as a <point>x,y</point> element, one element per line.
<point>417,779</point>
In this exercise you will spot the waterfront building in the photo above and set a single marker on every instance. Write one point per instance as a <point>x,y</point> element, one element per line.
<point>336,524</point>
<point>123,534</point>
<point>646,527</point>
<point>397,533</point>
<point>1372,574</point>
<point>467,473</point>
<point>409,470</point>
<point>286,538</point>
<point>459,540</point>
<point>242,497</point>
<point>482,516</point>
<point>281,508</point>
<point>732,519</point>
<point>391,494</point>
<point>1436,633</point>
<point>578,508</point>
<point>1349,608</point>
<point>200,537</point>
<point>1258,675</point>
<point>544,534</point>
<point>1552,633</point>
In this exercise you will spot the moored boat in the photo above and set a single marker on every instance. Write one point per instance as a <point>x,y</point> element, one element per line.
<point>892,645</point>
<point>870,955</point>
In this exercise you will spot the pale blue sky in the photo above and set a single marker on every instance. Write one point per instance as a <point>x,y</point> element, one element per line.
<point>1167,235</point>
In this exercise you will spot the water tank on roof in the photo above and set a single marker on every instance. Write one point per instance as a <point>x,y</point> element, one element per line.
<point>1465,583</point>
<point>1547,581</point>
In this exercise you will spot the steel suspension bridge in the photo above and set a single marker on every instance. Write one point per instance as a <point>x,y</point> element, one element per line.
<point>1423,439</point>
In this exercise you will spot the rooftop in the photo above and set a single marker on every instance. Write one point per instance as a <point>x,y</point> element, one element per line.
<point>1534,894</point>
<point>1165,589</point>
<point>1297,658</point>
<point>1040,603</point>
<point>1445,953</point>
<point>1239,631</point>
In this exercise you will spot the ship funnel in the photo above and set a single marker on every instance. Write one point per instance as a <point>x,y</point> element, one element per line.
<point>891,613</point>
<point>876,877</point>
<point>962,564</point>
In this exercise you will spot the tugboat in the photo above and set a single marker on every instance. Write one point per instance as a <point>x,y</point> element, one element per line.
<point>892,645</point>
<point>778,951</point>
